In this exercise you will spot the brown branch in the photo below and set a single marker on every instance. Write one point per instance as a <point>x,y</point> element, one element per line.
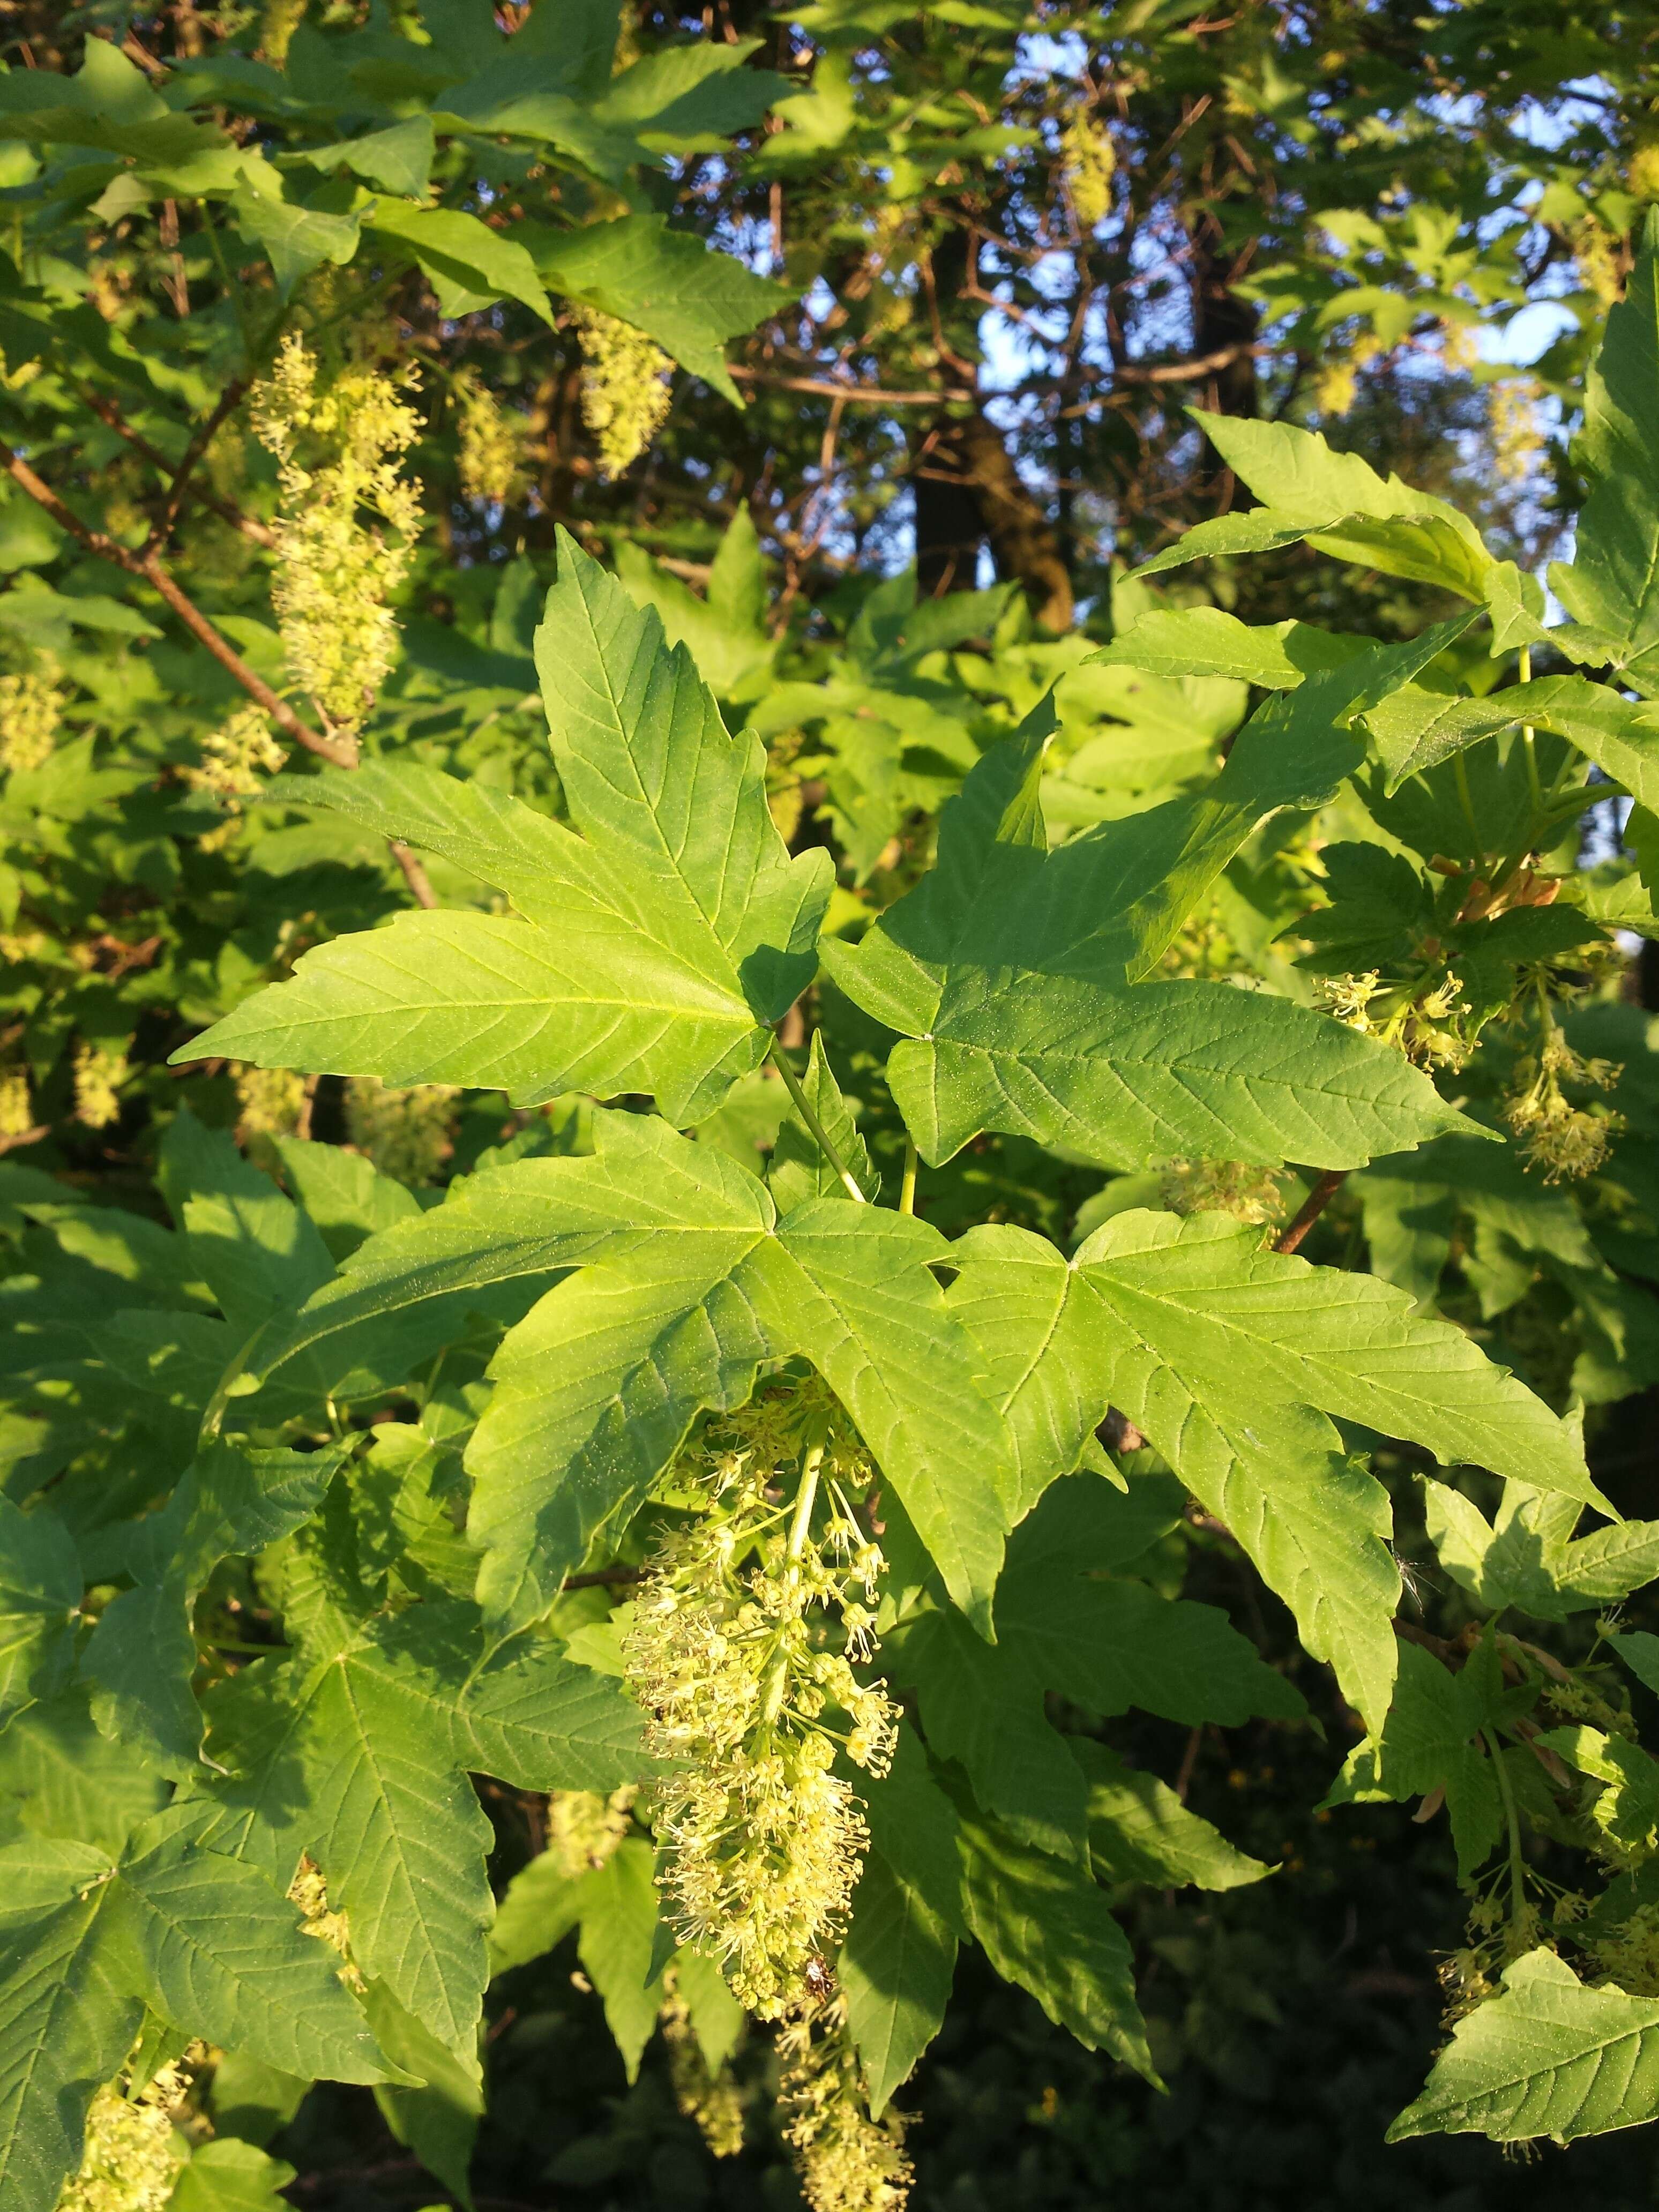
<point>109,414</point>
<point>828,388</point>
<point>413,874</point>
<point>25,1137</point>
<point>1290,1238</point>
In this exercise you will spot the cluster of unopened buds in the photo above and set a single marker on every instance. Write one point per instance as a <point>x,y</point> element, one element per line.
<point>742,1652</point>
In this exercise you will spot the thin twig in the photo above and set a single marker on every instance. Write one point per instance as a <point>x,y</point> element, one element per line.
<point>109,414</point>
<point>1312,1206</point>
<point>228,400</point>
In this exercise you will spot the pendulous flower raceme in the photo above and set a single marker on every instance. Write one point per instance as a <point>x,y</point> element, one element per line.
<point>346,529</point>
<point>847,2161</point>
<point>742,1652</point>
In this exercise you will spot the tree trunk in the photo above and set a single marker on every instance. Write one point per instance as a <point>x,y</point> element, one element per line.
<point>969,491</point>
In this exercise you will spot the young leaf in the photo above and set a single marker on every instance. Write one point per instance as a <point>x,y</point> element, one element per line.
<point>1547,2058</point>
<point>619,1928</point>
<point>1005,973</point>
<point>656,944</point>
<point>1428,1743</point>
<point>896,1969</point>
<point>218,1952</point>
<point>1416,729</point>
<point>360,1763</point>
<point>667,283</point>
<point>1207,641</point>
<point>67,2018</point>
<point>438,2119</point>
<point>141,1653</point>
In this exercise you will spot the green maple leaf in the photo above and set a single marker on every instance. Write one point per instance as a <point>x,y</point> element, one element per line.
<point>39,1598</point>
<point>87,1942</point>
<point>1139,1830</point>
<point>1611,588</point>
<point>1108,1645</point>
<point>1046,1925</point>
<point>1230,1360</point>
<point>690,1281</point>
<point>896,1968</point>
<point>1547,2058</point>
<point>360,1760</point>
<point>655,941</point>
<point>1336,502</point>
<point>1005,972</point>
<point>142,1653</point>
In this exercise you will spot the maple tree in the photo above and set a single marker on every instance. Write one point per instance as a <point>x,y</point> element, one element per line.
<point>641,1288</point>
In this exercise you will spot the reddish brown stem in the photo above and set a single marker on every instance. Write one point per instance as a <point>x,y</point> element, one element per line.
<point>1312,1206</point>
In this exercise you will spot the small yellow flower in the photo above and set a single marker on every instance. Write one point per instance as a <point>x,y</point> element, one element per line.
<point>714,2100</point>
<point>584,1828</point>
<point>270,1099</point>
<point>16,1114</point>
<point>235,757</point>
<point>1249,1194</point>
<point>731,1654</point>
<point>1566,1141</point>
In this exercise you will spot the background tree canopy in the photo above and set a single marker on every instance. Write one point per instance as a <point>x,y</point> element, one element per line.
<point>1171,491</point>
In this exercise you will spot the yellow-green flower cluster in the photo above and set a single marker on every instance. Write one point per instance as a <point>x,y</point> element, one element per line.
<point>99,1075</point>
<point>713,2100</point>
<point>1089,161</point>
<point>406,1134</point>
<point>235,757</point>
<point>585,1827</point>
<point>31,711</point>
<point>490,455</point>
<point>1516,438</point>
<point>270,1099</point>
<point>625,391</point>
<point>1249,1194</point>
<point>846,2161</point>
<point>344,537</point>
<point>732,1653</point>
<point>132,2153</point>
<point>1566,1141</point>
<point>1422,1021</point>
<point>16,1113</point>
